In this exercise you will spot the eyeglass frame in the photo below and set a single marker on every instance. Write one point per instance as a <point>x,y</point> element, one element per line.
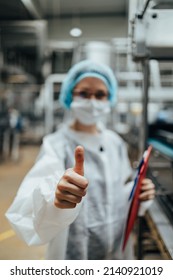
<point>87,95</point>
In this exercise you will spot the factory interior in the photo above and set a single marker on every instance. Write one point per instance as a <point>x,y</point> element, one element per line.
<point>39,42</point>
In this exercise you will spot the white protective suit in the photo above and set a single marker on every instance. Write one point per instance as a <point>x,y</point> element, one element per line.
<point>92,230</point>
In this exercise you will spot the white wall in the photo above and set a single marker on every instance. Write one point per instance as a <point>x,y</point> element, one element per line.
<point>94,28</point>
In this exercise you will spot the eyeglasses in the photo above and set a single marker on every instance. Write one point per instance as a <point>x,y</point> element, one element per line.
<point>100,95</point>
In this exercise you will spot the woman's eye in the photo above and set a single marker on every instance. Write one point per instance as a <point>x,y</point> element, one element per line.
<point>83,94</point>
<point>100,95</point>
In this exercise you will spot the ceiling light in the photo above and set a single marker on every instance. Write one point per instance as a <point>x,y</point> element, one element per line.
<point>76,32</point>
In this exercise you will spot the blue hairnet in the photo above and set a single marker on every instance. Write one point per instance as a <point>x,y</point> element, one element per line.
<point>87,68</point>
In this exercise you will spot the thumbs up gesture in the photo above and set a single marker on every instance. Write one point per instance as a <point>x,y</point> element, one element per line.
<point>72,186</point>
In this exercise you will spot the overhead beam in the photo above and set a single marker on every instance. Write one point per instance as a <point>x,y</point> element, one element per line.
<point>32,9</point>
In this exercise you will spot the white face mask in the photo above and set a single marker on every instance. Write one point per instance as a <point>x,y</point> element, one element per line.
<point>89,111</point>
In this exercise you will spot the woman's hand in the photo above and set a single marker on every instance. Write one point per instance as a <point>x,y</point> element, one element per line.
<point>147,190</point>
<point>72,186</point>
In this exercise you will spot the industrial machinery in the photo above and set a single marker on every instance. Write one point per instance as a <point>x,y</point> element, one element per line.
<point>151,39</point>
<point>151,31</point>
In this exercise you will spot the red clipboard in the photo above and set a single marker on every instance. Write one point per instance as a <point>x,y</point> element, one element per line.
<point>134,196</point>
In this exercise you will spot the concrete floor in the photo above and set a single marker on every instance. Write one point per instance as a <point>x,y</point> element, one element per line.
<point>11,175</point>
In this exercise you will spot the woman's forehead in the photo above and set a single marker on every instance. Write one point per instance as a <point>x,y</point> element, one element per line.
<point>92,82</point>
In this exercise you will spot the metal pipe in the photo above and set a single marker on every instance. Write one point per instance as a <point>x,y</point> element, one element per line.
<point>144,10</point>
<point>143,143</point>
<point>32,9</point>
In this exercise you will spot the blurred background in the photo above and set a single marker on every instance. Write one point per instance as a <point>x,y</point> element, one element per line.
<point>39,41</point>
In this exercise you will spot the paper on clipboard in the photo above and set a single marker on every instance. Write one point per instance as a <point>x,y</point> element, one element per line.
<point>134,195</point>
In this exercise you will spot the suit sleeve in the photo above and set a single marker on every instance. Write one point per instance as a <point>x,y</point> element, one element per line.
<point>32,214</point>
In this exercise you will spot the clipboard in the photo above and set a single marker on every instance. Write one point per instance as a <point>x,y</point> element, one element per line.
<point>134,195</point>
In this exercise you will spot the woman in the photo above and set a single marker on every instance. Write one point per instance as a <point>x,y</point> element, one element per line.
<point>75,196</point>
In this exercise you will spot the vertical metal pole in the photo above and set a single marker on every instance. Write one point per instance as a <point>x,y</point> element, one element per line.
<point>144,121</point>
<point>145,101</point>
<point>144,137</point>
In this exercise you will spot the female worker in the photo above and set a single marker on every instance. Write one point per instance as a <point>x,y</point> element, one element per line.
<point>75,196</point>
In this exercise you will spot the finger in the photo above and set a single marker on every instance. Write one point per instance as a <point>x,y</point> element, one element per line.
<point>73,189</point>
<point>147,187</point>
<point>63,204</point>
<point>149,197</point>
<point>148,191</point>
<point>79,160</point>
<point>147,194</point>
<point>146,181</point>
<point>70,176</point>
<point>65,196</point>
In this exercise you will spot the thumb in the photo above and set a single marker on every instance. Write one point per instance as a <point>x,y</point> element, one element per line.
<point>79,160</point>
